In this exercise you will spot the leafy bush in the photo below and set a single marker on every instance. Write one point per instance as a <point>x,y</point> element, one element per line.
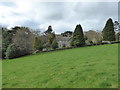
<point>6,40</point>
<point>63,46</point>
<point>54,45</point>
<point>12,51</point>
<point>38,44</point>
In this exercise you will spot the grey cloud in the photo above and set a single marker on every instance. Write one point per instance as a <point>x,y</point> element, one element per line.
<point>31,23</point>
<point>96,10</point>
<point>65,15</point>
<point>55,16</point>
<point>54,10</point>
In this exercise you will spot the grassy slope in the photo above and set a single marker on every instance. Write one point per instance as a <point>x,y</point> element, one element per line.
<point>86,67</point>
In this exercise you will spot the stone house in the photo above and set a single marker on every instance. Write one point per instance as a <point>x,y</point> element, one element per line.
<point>63,41</point>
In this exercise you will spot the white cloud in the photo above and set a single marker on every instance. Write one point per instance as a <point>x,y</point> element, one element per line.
<point>61,15</point>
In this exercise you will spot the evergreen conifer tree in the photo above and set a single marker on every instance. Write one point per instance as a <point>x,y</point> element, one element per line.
<point>108,31</point>
<point>78,37</point>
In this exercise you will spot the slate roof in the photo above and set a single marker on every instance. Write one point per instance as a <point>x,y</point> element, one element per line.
<point>61,38</point>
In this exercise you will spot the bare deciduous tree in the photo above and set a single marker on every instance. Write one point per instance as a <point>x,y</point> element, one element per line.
<point>93,36</point>
<point>24,40</point>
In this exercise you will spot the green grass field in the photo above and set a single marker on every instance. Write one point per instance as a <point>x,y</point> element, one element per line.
<point>85,67</point>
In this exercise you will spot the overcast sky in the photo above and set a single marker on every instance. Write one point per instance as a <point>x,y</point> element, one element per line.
<point>62,16</point>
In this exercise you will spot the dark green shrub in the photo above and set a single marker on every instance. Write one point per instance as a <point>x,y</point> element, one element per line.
<point>12,51</point>
<point>63,46</point>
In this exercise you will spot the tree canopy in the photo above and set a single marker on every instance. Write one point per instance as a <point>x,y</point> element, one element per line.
<point>78,37</point>
<point>108,31</point>
<point>49,30</point>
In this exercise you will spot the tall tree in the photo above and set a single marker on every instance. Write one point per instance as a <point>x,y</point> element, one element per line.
<point>51,38</point>
<point>24,40</point>
<point>78,37</point>
<point>38,44</point>
<point>6,40</point>
<point>49,30</point>
<point>108,31</point>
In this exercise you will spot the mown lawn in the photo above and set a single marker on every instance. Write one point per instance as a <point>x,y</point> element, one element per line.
<point>86,67</point>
